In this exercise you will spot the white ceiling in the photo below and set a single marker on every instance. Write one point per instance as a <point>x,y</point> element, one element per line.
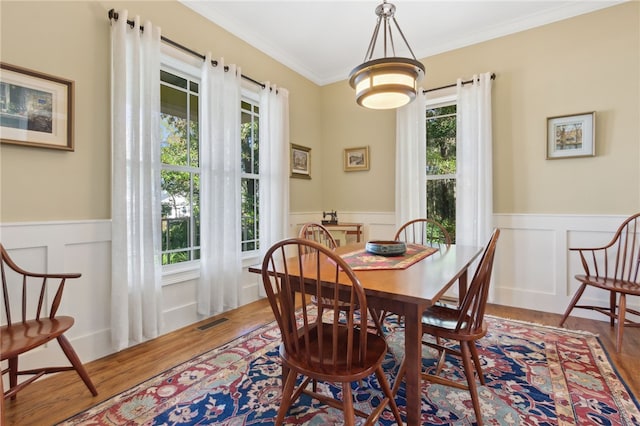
<point>325,39</point>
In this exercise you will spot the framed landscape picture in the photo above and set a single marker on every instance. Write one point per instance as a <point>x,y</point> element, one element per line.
<point>571,136</point>
<point>356,159</point>
<point>35,109</point>
<point>300,162</point>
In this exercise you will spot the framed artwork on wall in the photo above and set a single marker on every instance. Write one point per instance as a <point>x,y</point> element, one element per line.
<point>36,109</point>
<point>570,136</point>
<point>356,159</point>
<point>300,162</point>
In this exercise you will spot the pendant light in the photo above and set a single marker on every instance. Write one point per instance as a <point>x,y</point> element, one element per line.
<point>391,81</point>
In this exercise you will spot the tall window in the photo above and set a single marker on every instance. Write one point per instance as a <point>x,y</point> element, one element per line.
<point>250,174</point>
<point>180,158</point>
<point>441,166</point>
<point>180,174</point>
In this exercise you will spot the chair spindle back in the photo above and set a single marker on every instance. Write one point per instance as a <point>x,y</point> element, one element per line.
<point>426,232</point>
<point>29,282</point>
<point>620,258</point>
<point>325,274</point>
<point>318,233</point>
<point>472,306</point>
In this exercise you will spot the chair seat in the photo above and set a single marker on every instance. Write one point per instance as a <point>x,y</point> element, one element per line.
<point>621,286</point>
<point>442,321</point>
<point>22,337</point>
<point>375,353</point>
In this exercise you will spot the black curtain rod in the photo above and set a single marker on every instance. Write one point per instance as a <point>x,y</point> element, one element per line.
<point>493,77</point>
<point>114,15</point>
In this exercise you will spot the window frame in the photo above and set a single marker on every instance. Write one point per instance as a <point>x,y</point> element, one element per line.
<point>176,62</point>
<point>438,99</point>
<point>250,94</point>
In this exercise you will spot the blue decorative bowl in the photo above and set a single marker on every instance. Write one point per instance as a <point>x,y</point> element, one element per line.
<point>386,248</point>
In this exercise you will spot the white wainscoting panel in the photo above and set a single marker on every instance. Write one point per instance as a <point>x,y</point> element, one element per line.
<point>533,268</point>
<point>83,247</point>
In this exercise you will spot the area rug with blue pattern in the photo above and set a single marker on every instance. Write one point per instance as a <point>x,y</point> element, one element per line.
<point>535,375</point>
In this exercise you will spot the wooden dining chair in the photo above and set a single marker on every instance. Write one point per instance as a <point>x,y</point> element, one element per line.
<point>465,325</point>
<point>319,233</point>
<point>423,231</point>
<point>316,343</point>
<point>316,232</point>
<point>35,324</point>
<point>426,232</point>
<point>614,268</point>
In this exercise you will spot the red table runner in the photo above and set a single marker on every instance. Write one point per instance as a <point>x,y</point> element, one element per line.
<point>361,260</point>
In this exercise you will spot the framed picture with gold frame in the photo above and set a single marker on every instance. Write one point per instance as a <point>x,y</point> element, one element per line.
<point>300,162</point>
<point>570,136</point>
<point>36,109</point>
<point>356,159</point>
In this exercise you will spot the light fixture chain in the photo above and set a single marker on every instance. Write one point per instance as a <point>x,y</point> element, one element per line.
<point>403,38</point>
<point>374,39</point>
<point>393,46</point>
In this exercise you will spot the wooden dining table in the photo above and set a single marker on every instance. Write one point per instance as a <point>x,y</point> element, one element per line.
<point>409,292</point>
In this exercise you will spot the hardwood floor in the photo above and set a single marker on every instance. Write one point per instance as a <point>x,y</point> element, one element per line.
<point>55,398</point>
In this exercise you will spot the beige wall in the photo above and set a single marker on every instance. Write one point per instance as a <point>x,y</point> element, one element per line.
<point>588,63</point>
<point>71,40</point>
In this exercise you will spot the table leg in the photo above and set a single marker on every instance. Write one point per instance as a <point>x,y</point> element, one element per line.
<point>462,285</point>
<point>413,360</point>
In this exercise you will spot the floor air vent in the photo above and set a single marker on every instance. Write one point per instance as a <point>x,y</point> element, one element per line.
<point>212,324</point>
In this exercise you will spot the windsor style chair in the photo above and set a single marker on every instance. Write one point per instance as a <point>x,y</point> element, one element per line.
<point>613,268</point>
<point>35,323</point>
<point>426,232</point>
<point>463,324</point>
<point>320,234</point>
<point>317,343</point>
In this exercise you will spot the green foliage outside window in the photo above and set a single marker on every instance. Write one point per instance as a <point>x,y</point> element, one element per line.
<point>250,183</point>
<point>441,166</point>
<point>180,173</point>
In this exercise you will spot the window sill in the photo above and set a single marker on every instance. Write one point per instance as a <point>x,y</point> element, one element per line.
<point>251,258</point>
<point>175,274</point>
<point>180,273</point>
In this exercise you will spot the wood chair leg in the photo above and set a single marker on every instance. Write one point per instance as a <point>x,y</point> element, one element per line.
<point>77,364</point>
<point>476,361</point>
<point>384,384</point>
<point>285,373</point>
<point>377,319</point>
<point>622,308</point>
<point>1,401</point>
<point>612,307</point>
<point>401,372</point>
<point>573,302</point>
<point>287,393</point>
<point>347,403</point>
<point>471,380</point>
<point>13,374</point>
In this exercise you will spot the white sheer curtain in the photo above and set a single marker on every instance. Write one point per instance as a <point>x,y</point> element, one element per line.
<point>274,165</point>
<point>411,161</point>
<point>474,183</point>
<point>220,203</point>
<point>135,213</point>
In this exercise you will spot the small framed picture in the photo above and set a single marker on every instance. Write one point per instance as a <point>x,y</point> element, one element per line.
<point>356,159</point>
<point>36,109</point>
<point>300,162</point>
<point>570,136</point>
